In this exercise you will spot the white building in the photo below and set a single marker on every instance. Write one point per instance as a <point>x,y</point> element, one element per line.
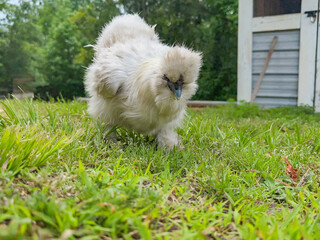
<point>293,75</point>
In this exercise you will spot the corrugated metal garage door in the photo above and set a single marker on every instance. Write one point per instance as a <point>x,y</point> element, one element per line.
<point>280,83</point>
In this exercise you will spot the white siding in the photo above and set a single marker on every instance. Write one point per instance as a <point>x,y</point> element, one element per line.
<point>280,84</point>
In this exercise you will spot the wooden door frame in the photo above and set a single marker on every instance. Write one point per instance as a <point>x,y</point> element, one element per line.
<point>308,32</point>
<point>245,50</point>
<point>317,84</point>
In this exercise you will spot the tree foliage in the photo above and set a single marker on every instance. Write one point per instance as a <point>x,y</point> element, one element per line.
<point>45,39</point>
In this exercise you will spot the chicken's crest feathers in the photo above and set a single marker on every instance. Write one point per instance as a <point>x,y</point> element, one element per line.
<point>182,61</point>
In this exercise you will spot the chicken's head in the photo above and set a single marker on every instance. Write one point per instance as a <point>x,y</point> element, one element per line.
<point>180,70</point>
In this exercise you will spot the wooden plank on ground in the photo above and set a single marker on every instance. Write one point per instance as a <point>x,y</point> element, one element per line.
<point>194,104</point>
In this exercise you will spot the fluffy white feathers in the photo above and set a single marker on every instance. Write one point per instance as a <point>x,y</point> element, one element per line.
<point>134,80</point>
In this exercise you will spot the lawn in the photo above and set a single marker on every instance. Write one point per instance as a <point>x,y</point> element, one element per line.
<point>61,179</point>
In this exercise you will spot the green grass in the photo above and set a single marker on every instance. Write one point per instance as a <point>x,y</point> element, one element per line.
<point>60,178</point>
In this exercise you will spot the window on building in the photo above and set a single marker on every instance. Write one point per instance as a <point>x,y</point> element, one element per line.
<point>275,7</point>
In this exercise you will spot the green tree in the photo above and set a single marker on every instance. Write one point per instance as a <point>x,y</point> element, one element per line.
<point>219,45</point>
<point>45,39</point>
<point>68,27</point>
<point>16,31</point>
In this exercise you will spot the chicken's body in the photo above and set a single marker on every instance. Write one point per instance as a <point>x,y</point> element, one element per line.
<point>126,79</point>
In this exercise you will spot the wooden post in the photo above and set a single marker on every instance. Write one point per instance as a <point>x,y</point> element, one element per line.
<point>264,69</point>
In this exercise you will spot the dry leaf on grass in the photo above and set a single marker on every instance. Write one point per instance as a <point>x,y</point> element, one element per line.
<point>292,172</point>
<point>112,207</point>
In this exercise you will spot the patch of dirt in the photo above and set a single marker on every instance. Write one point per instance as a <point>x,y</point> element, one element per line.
<point>61,185</point>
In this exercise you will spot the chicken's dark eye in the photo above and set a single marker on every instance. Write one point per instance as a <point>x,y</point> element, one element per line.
<point>175,87</point>
<point>165,78</point>
<point>171,86</point>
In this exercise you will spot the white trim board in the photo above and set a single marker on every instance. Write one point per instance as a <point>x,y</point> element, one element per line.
<point>276,23</point>
<point>317,97</point>
<point>308,33</point>
<point>245,50</point>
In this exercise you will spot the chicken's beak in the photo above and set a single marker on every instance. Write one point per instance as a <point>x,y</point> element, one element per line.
<point>176,87</point>
<point>178,92</point>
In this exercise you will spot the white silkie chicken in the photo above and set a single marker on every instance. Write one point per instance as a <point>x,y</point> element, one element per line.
<point>138,83</point>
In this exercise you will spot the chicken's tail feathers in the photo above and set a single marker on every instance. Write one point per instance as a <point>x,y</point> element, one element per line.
<point>125,28</point>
